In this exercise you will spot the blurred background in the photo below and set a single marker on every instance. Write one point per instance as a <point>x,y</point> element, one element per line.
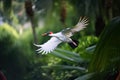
<point>96,58</point>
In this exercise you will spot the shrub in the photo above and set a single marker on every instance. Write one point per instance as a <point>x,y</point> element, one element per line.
<point>15,56</point>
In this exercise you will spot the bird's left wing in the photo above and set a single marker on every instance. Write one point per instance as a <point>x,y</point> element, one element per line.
<point>49,46</point>
<point>83,22</point>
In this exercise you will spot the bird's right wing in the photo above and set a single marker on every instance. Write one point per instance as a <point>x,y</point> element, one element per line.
<point>83,22</point>
<point>49,46</point>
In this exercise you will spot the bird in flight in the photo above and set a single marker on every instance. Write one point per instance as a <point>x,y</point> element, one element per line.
<point>62,36</point>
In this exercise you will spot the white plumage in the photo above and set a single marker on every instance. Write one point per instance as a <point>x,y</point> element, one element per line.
<point>63,36</point>
<point>49,46</point>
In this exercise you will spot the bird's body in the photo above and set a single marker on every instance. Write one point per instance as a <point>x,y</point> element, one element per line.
<point>62,36</point>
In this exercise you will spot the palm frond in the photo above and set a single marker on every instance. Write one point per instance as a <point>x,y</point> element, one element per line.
<point>107,52</point>
<point>66,67</point>
<point>85,77</point>
<point>91,48</point>
<point>67,55</point>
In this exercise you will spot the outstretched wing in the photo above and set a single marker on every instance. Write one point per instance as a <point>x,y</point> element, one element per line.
<point>83,22</point>
<point>49,46</point>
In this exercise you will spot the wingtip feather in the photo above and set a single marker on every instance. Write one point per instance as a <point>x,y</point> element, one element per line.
<point>84,19</point>
<point>36,45</point>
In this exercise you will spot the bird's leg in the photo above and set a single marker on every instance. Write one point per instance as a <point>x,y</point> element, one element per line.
<point>74,43</point>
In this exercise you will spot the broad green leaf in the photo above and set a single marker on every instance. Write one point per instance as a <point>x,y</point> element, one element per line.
<point>73,59</point>
<point>85,77</point>
<point>65,67</point>
<point>67,55</point>
<point>91,48</point>
<point>68,52</point>
<point>107,52</point>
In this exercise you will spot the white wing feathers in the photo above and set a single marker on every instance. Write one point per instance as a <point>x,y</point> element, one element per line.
<point>49,46</point>
<point>83,22</point>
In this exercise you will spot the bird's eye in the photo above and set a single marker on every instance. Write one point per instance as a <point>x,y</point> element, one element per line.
<point>50,32</point>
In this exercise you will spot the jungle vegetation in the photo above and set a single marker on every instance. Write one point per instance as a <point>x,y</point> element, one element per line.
<point>96,58</point>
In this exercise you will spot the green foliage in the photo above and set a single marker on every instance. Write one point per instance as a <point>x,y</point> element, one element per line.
<point>106,56</point>
<point>15,58</point>
<point>7,37</point>
<point>67,62</point>
<point>7,6</point>
<point>84,43</point>
<point>107,50</point>
<point>17,54</point>
<point>85,77</point>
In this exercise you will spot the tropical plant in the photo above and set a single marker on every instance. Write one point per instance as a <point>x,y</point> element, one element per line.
<point>69,62</point>
<point>105,60</point>
<point>15,56</point>
<point>106,56</point>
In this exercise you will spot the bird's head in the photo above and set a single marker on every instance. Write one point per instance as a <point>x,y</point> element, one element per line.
<point>47,34</point>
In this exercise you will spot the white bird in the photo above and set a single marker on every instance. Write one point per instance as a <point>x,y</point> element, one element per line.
<point>62,36</point>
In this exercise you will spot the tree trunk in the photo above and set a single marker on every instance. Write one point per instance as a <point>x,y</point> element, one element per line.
<point>63,12</point>
<point>105,10</point>
<point>108,9</point>
<point>30,14</point>
<point>99,25</point>
<point>33,30</point>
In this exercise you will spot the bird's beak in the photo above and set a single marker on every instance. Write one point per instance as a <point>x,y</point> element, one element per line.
<point>44,34</point>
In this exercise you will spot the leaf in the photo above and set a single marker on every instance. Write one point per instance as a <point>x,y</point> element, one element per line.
<point>107,52</point>
<point>65,67</point>
<point>69,52</point>
<point>85,77</point>
<point>62,56</point>
<point>91,48</point>
<point>67,55</point>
